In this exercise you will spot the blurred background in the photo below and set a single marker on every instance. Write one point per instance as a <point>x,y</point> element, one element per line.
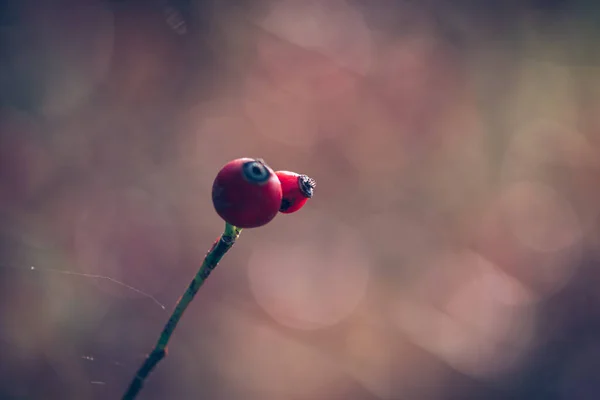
<point>451,250</point>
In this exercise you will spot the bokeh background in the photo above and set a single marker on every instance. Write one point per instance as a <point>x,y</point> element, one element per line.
<point>451,251</point>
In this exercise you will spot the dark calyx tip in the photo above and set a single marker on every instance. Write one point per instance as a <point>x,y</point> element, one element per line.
<point>307,185</point>
<point>256,171</point>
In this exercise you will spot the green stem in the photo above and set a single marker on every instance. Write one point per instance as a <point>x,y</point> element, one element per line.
<point>218,250</point>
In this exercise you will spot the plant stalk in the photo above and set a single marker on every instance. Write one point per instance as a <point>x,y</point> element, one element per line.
<point>218,250</point>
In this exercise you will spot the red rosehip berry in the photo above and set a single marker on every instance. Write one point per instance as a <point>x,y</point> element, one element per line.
<point>246,193</point>
<point>296,188</point>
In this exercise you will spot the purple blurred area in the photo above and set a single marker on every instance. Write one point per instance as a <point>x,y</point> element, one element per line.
<point>451,251</point>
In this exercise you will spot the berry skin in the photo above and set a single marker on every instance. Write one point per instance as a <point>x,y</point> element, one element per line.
<point>296,188</point>
<point>246,193</point>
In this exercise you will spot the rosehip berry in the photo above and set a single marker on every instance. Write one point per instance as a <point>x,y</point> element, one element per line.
<point>246,193</point>
<point>297,189</point>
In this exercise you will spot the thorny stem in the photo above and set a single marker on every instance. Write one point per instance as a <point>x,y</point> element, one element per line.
<point>218,250</point>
